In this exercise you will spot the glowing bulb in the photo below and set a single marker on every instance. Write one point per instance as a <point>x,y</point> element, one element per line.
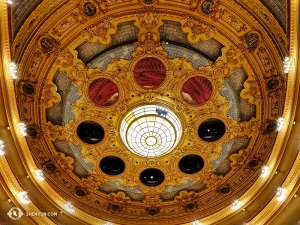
<point>280,123</point>
<point>40,174</point>
<point>13,70</point>
<point>280,194</point>
<point>1,147</point>
<point>23,129</point>
<point>264,171</point>
<point>286,64</point>
<point>196,223</point>
<point>24,197</point>
<point>236,205</point>
<point>108,223</point>
<point>69,207</point>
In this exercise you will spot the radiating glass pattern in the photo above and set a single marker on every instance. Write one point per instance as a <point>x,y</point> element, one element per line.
<point>151,131</point>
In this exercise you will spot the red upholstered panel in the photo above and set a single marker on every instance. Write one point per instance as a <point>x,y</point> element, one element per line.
<point>103,92</point>
<point>149,72</point>
<point>197,90</point>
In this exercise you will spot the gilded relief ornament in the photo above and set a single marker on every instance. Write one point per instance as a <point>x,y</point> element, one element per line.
<point>66,24</point>
<point>49,95</point>
<point>232,20</point>
<point>208,7</point>
<point>185,196</point>
<point>120,198</point>
<point>149,18</point>
<point>89,8</point>
<point>234,55</point>
<point>34,66</point>
<point>273,83</point>
<point>48,44</point>
<point>65,58</point>
<point>65,162</point>
<point>265,59</point>
<point>198,26</point>
<point>148,42</point>
<point>252,39</point>
<point>99,29</point>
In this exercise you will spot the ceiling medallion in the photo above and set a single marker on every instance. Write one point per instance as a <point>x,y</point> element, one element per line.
<point>151,131</point>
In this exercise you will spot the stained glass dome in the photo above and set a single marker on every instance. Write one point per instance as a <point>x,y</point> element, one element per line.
<point>151,131</point>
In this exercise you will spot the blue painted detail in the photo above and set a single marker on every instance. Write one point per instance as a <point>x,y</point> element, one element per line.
<point>278,9</point>
<point>175,51</point>
<point>122,52</point>
<point>21,11</point>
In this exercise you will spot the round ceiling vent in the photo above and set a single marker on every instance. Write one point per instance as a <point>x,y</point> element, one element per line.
<point>90,132</point>
<point>152,177</point>
<point>191,164</point>
<point>151,131</point>
<point>211,130</point>
<point>112,165</point>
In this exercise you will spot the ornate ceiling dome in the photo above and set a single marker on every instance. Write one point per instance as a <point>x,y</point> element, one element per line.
<point>150,112</point>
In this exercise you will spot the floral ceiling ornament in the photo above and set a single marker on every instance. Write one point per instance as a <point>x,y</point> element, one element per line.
<point>149,18</point>
<point>148,41</point>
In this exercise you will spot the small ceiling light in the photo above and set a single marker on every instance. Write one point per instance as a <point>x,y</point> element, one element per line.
<point>24,197</point>
<point>280,123</point>
<point>13,70</point>
<point>264,171</point>
<point>69,207</point>
<point>9,2</point>
<point>23,129</point>
<point>236,205</point>
<point>196,223</point>
<point>40,174</point>
<point>286,64</point>
<point>1,147</point>
<point>108,223</point>
<point>280,194</point>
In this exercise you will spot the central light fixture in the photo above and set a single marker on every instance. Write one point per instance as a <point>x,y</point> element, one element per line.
<point>151,131</point>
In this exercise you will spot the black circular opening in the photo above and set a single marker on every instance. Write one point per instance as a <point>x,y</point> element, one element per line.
<point>190,206</point>
<point>80,192</point>
<point>50,167</point>
<point>225,190</point>
<point>30,131</point>
<point>115,207</point>
<point>28,89</point>
<point>211,130</point>
<point>253,163</point>
<point>191,164</point>
<point>90,132</point>
<point>271,127</point>
<point>112,165</point>
<point>273,83</point>
<point>152,212</point>
<point>152,177</point>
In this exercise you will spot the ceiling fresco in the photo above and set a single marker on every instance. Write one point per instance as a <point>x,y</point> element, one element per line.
<point>151,111</point>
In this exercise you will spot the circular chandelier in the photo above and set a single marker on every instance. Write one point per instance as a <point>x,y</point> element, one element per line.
<point>150,131</point>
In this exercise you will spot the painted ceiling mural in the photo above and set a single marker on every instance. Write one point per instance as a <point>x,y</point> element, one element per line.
<point>150,111</point>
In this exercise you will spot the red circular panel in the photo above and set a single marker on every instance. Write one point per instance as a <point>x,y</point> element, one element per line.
<point>103,92</point>
<point>149,72</point>
<point>196,90</point>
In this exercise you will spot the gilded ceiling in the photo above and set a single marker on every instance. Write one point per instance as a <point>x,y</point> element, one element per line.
<point>151,111</point>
